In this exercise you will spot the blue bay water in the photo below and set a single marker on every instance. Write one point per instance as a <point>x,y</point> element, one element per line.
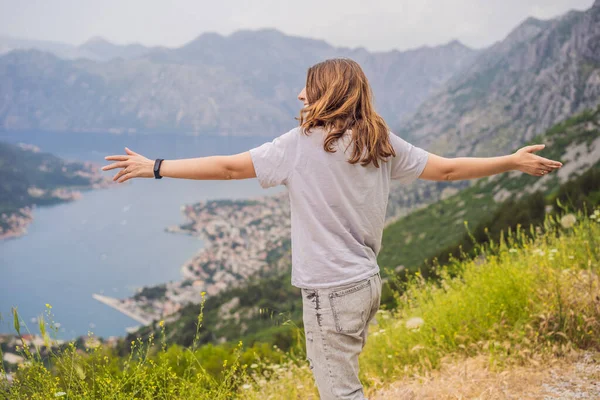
<point>111,241</point>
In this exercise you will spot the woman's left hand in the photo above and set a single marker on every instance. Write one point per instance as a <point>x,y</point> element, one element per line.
<point>134,166</point>
<point>532,164</point>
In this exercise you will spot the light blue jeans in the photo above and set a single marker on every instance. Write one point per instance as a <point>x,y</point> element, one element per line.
<point>336,322</point>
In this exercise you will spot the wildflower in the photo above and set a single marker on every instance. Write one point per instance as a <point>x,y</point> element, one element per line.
<point>254,366</point>
<point>48,306</point>
<point>414,323</point>
<point>161,323</point>
<point>246,386</point>
<point>203,294</point>
<point>568,221</point>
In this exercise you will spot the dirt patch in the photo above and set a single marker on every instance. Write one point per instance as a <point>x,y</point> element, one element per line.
<point>576,376</point>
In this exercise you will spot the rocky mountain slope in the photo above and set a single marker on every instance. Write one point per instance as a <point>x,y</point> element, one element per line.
<point>541,73</point>
<point>241,84</point>
<point>575,142</point>
<point>96,48</point>
<point>451,99</point>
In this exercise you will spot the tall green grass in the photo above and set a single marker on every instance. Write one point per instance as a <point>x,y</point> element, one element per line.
<point>531,292</point>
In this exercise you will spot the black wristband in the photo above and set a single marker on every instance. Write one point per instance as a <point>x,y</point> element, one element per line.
<point>157,168</point>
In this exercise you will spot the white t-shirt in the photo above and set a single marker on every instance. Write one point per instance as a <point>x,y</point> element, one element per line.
<point>337,208</point>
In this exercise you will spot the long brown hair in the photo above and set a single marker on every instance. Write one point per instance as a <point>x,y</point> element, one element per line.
<point>340,98</point>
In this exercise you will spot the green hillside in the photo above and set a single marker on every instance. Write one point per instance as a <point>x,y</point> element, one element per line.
<point>259,312</point>
<point>527,300</point>
<point>32,177</point>
<point>270,307</point>
<point>424,232</point>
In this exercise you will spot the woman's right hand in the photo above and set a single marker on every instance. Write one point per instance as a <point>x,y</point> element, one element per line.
<point>134,166</point>
<point>526,161</point>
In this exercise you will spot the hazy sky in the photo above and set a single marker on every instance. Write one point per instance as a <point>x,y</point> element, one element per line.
<point>376,25</point>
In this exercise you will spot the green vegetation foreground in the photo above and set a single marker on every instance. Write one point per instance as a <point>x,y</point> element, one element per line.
<point>527,294</point>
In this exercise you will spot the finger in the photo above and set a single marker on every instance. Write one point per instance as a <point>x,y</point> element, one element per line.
<point>131,152</point>
<point>535,147</point>
<point>114,165</point>
<point>545,166</point>
<point>551,166</point>
<point>117,158</point>
<point>125,177</point>
<point>547,161</point>
<point>543,163</point>
<point>119,174</point>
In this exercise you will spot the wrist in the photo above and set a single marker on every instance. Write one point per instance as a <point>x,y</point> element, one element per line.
<point>157,168</point>
<point>513,162</point>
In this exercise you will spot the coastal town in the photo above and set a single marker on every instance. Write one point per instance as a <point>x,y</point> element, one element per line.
<point>14,224</point>
<point>240,237</point>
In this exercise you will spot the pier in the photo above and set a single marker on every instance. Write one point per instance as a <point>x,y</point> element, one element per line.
<point>117,305</point>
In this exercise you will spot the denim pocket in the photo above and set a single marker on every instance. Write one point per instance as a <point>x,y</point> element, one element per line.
<point>351,307</point>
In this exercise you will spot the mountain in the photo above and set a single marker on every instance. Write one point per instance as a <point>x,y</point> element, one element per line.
<point>63,50</point>
<point>541,73</point>
<point>575,142</point>
<point>98,49</point>
<point>448,99</point>
<point>242,84</point>
<point>104,50</point>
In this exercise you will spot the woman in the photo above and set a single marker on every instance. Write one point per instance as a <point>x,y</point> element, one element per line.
<point>337,166</point>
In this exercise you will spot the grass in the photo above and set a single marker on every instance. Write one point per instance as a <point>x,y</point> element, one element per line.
<point>527,295</point>
<point>530,293</point>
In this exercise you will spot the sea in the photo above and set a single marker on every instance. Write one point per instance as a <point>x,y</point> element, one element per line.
<point>111,241</point>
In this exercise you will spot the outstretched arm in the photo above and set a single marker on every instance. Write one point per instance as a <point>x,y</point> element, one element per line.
<point>134,165</point>
<point>461,168</point>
